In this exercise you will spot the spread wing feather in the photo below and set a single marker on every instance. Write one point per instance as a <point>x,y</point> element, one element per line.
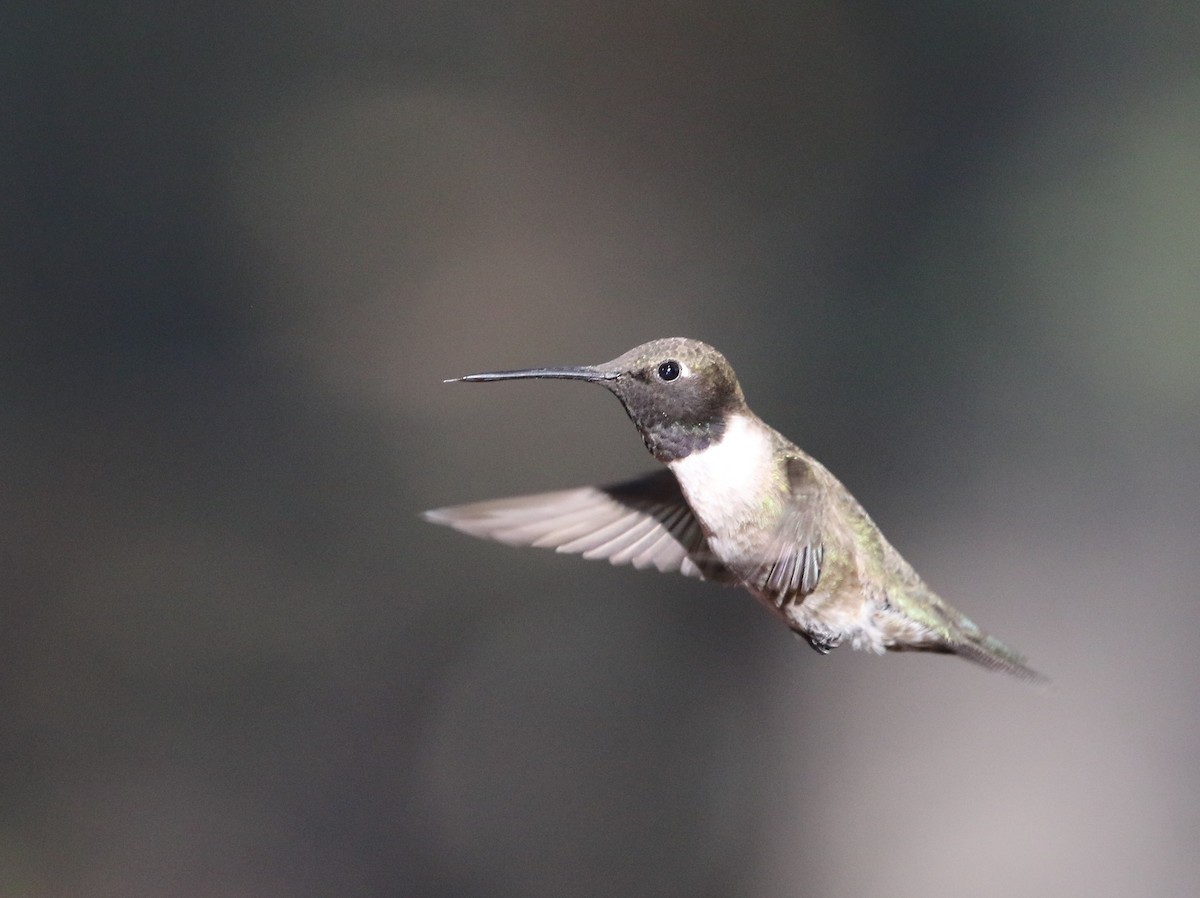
<point>644,522</point>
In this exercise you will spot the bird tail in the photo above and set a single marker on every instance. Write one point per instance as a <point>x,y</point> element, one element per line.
<point>991,653</point>
<point>959,635</point>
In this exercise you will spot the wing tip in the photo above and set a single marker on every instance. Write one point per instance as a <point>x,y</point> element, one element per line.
<point>437,515</point>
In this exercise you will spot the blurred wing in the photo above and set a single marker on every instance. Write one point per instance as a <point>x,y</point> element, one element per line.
<point>644,522</point>
<point>791,565</point>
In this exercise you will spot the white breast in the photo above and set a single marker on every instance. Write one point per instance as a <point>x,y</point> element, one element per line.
<point>723,483</point>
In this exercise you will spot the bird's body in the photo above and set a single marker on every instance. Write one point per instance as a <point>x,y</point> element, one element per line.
<point>740,504</point>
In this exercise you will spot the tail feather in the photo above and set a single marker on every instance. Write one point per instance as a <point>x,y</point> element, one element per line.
<point>959,635</point>
<point>995,655</point>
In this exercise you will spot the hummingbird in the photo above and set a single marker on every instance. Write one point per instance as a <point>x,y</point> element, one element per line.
<point>738,504</point>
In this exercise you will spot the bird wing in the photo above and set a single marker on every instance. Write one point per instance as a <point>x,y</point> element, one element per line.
<point>791,564</point>
<point>644,522</point>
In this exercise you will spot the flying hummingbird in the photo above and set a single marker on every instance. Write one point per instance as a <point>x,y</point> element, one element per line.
<point>739,504</point>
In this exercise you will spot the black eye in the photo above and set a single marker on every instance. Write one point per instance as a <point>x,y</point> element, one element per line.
<point>668,370</point>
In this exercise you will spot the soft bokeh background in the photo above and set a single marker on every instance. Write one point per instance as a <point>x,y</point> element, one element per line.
<point>951,249</point>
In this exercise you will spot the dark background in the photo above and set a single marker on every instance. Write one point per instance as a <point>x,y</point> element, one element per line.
<point>953,250</point>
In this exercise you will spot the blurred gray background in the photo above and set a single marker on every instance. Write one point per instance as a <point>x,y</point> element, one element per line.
<point>953,250</point>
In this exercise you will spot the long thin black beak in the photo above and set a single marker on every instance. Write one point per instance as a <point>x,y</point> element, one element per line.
<point>583,372</point>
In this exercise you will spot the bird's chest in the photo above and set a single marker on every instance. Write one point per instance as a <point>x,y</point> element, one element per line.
<point>733,489</point>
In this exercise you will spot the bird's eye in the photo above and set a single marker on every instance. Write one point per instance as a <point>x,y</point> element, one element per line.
<point>668,370</point>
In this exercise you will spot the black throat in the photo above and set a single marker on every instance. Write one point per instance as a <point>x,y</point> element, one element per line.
<point>672,440</point>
